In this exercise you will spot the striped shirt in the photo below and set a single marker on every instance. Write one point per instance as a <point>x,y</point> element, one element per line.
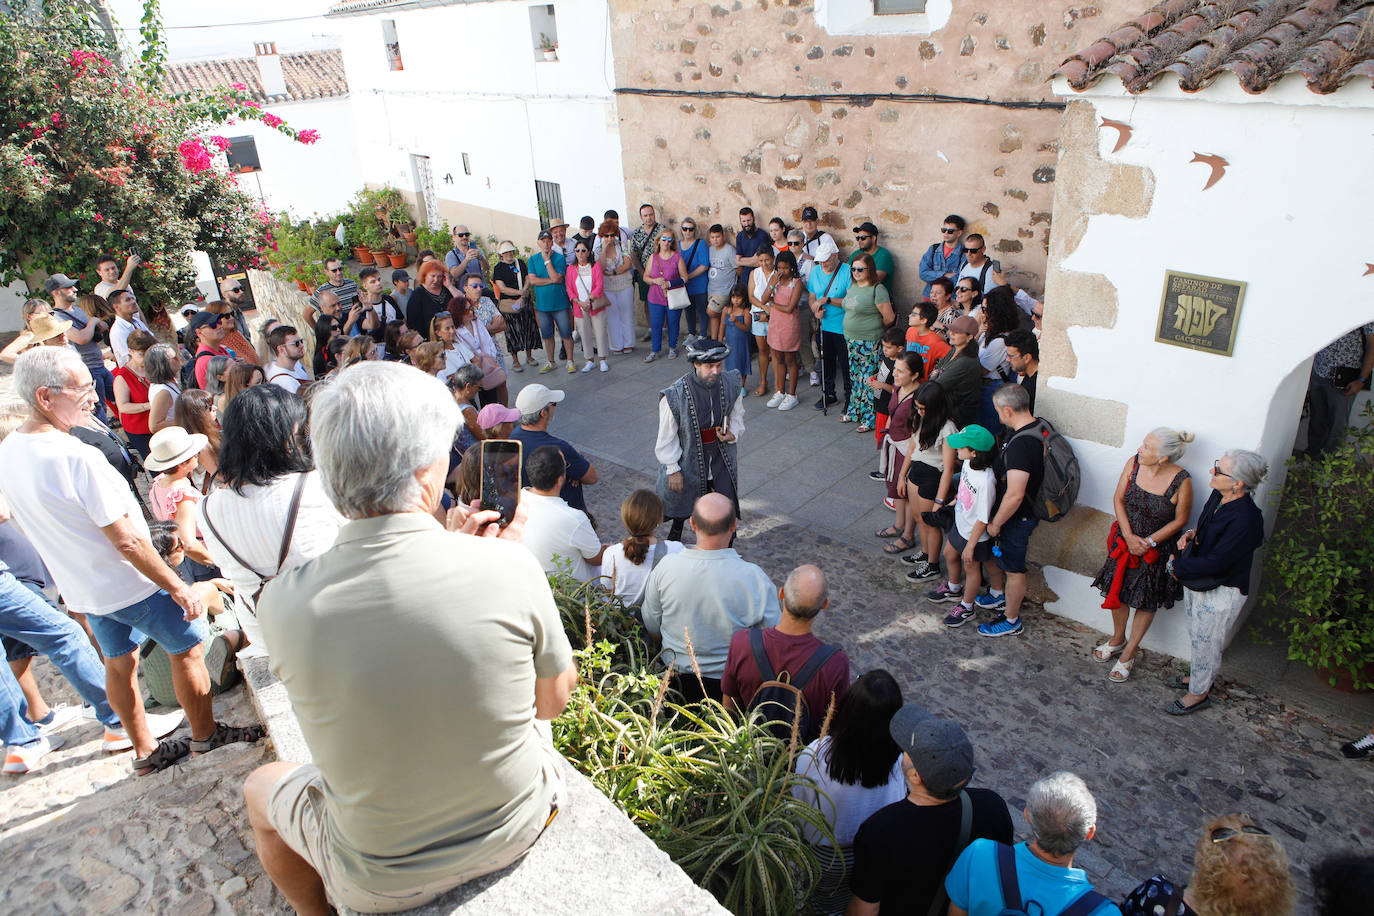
<point>347,291</point>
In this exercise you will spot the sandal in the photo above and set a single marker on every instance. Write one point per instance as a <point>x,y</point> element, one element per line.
<point>1104,652</point>
<point>889,532</point>
<point>1177,707</point>
<point>863,428</point>
<point>846,418</point>
<point>1121,671</point>
<point>166,754</point>
<point>900,545</point>
<point>226,734</point>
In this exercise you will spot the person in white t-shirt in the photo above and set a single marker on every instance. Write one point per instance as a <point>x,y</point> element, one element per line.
<point>286,370</point>
<point>967,543</point>
<point>625,567</point>
<point>90,531</point>
<point>555,532</point>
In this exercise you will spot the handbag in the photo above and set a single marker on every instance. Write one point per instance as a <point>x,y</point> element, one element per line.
<point>678,298</point>
<point>493,373</point>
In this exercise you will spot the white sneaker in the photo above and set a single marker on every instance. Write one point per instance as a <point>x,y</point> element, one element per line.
<point>589,366</point>
<point>21,760</point>
<point>59,716</point>
<point>815,380</point>
<point>788,402</point>
<point>776,399</point>
<point>160,724</point>
<point>605,366</point>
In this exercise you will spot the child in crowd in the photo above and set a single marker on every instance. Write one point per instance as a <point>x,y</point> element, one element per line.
<point>225,643</point>
<point>906,378</point>
<point>174,452</point>
<point>967,542</point>
<point>881,386</point>
<point>627,565</point>
<point>737,322</point>
<point>785,332</point>
<point>497,421</point>
<point>921,337</point>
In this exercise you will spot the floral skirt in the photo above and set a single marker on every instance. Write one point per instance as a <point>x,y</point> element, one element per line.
<point>863,365</point>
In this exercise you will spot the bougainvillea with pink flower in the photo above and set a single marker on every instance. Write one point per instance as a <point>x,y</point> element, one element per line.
<point>97,157</point>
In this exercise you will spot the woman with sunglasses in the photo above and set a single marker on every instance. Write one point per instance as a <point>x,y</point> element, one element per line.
<point>666,271</point>
<point>1238,867</point>
<point>867,310</point>
<point>1214,566</point>
<point>587,289</point>
<point>696,258</point>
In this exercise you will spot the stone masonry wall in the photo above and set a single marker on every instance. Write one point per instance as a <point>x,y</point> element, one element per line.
<point>900,163</point>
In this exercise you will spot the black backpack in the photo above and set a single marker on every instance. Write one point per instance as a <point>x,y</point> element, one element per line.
<point>779,701</point>
<point>188,370</point>
<point>1059,489</point>
<point>1013,905</point>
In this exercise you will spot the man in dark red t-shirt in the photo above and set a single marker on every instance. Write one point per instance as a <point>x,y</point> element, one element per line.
<point>789,646</point>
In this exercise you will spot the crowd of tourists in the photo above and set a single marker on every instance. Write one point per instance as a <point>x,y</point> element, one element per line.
<point>309,506</point>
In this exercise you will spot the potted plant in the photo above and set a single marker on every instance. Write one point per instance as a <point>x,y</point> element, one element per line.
<point>1319,568</point>
<point>548,46</point>
<point>367,237</point>
<point>398,254</point>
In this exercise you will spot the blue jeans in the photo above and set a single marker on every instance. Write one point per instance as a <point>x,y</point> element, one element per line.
<point>698,322</point>
<point>157,617</point>
<point>15,729</point>
<point>104,391</point>
<point>987,411</point>
<point>28,617</point>
<point>562,318</point>
<point>660,315</point>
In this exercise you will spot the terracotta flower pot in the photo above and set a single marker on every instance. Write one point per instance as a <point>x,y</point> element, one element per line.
<point>381,256</point>
<point>362,254</point>
<point>410,237</point>
<point>304,287</point>
<point>398,260</point>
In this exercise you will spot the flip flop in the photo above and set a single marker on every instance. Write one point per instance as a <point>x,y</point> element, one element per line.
<point>901,545</point>
<point>1176,708</point>
<point>888,532</point>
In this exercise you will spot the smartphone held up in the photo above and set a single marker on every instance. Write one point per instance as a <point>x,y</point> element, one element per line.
<point>500,489</point>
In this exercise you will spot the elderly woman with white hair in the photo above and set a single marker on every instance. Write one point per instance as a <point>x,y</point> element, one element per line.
<point>1214,566</point>
<point>1154,497</point>
<point>403,608</point>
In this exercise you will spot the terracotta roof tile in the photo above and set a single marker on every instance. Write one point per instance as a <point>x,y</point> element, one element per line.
<point>308,75</point>
<point>1326,42</point>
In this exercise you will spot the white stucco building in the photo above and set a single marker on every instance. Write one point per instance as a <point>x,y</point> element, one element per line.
<point>457,104</point>
<point>1289,111</point>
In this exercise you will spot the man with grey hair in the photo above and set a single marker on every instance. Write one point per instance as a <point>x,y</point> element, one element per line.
<point>818,670</point>
<point>903,851</point>
<point>90,531</point>
<point>433,760</point>
<point>1037,876</point>
<point>537,404</point>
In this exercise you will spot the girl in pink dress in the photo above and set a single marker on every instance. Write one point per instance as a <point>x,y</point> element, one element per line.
<point>785,332</point>
<point>173,497</point>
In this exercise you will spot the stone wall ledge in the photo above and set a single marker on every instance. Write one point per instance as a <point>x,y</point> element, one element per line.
<point>592,859</point>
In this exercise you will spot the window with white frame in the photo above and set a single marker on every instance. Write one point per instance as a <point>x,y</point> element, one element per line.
<point>544,31</point>
<point>393,44</point>
<point>882,17</point>
<point>897,7</point>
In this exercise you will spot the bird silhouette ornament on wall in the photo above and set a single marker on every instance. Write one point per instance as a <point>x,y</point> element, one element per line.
<point>1217,163</point>
<point>1123,132</point>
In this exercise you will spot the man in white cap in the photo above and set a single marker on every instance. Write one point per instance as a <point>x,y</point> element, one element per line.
<point>700,417</point>
<point>536,404</point>
<point>828,282</point>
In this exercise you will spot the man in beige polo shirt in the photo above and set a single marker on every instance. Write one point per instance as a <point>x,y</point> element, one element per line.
<point>419,662</point>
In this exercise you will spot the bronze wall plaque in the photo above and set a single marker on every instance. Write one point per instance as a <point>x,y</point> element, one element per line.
<point>1200,313</point>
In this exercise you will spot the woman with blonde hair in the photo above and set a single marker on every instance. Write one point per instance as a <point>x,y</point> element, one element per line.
<point>242,376</point>
<point>27,311</point>
<point>1154,497</point>
<point>1239,869</point>
<point>428,357</point>
<point>625,567</point>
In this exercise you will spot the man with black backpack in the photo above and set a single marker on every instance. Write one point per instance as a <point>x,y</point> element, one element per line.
<point>903,852</point>
<point>1019,469</point>
<point>768,669</point>
<point>992,878</point>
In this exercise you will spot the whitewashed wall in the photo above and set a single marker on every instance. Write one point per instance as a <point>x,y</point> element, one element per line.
<point>472,84</point>
<point>305,180</point>
<point>1290,217</point>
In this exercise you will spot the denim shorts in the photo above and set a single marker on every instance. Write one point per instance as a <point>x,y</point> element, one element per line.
<point>156,617</point>
<point>562,318</point>
<point>1014,540</point>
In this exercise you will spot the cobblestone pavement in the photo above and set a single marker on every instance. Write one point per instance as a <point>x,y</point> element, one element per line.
<point>84,836</point>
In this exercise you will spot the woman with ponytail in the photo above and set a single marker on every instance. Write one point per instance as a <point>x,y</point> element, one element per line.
<point>626,566</point>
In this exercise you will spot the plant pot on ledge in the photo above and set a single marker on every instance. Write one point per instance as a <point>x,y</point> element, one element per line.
<point>381,256</point>
<point>362,255</point>
<point>397,260</point>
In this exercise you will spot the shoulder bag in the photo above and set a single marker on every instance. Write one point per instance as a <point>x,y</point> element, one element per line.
<point>493,375</point>
<point>676,291</point>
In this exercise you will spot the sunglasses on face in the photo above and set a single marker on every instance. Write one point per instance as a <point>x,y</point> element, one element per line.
<point>858,270</point>
<point>963,289</point>
<point>689,228</point>
<point>237,289</point>
<point>463,235</point>
<point>947,231</point>
<point>1222,834</point>
<point>972,250</point>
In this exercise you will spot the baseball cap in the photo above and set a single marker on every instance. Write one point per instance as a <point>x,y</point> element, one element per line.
<point>866,227</point>
<point>810,213</point>
<point>58,281</point>
<point>494,415</point>
<point>535,397</point>
<point>546,234</point>
<point>826,247</point>
<point>964,325</point>
<point>399,275</point>
<point>972,436</point>
<point>198,321</point>
<point>938,748</point>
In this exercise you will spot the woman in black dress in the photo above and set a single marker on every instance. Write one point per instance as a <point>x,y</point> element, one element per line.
<point>429,298</point>
<point>510,278</point>
<point>1153,498</point>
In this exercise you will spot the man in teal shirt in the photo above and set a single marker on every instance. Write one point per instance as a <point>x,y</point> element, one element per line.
<point>866,234</point>
<point>551,305</point>
<point>827,284</point>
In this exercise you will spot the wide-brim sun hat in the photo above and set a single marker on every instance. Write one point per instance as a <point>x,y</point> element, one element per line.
<point>171,446</point>
<point>46,327</point>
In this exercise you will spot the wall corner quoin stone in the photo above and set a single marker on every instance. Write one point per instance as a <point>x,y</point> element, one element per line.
<point>1076,543</point>
<point>1080,416</point>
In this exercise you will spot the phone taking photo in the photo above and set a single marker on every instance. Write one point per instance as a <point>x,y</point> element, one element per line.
<point>501,462</point>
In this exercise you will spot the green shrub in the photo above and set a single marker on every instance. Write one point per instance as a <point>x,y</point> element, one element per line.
<point>1319,570</point>
<point>710,789</point>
